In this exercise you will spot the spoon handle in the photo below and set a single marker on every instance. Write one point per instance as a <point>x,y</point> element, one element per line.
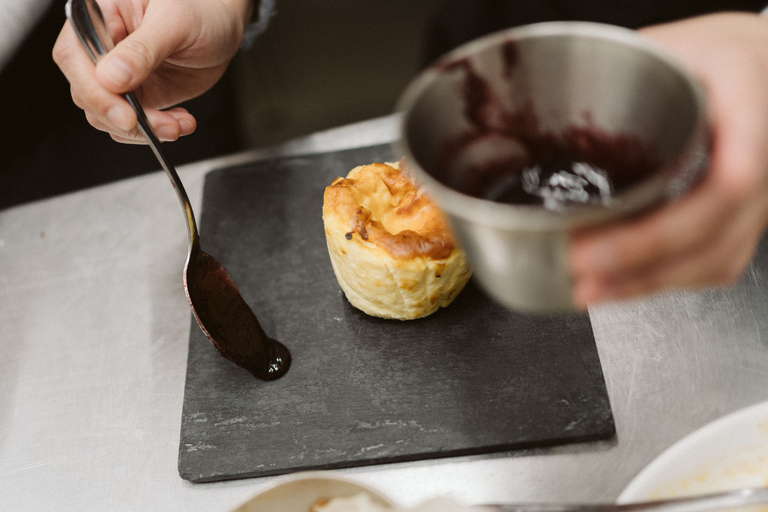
<point>702,503</point>
<point>88,22</point>
<point>168,167</point>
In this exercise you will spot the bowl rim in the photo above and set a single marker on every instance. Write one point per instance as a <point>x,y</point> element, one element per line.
<point>286,481</point>
<point>534,217</point>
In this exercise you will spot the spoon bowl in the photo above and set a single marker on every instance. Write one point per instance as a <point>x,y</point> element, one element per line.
<point>220,310</point>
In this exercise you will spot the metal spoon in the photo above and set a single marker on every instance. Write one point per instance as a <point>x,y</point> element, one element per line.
<point>701,503</point>
<point>221,312</point>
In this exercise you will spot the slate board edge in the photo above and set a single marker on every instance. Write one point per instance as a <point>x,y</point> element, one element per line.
<point>608,426</point>
<point>608,434</point>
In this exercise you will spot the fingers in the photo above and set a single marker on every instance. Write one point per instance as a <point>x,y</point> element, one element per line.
<point>706,238</point>
<point>709,236</point>
<point>106,109</point>
<point>635,244</point>
<point>133,59</point>
<point>168,125</point>
<point>166,52</point>
<point>717,262</point>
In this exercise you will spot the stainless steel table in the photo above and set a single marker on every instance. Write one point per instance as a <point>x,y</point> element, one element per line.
<point>93,350</point>
<point>17,19</point>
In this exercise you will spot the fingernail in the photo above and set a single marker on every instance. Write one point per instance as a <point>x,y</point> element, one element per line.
<point>186,126</point>
<point>120,117</point>
<point>117,70</point>
<point>166,133</point>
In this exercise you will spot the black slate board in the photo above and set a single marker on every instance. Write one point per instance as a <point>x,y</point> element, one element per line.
<point>472,378</point>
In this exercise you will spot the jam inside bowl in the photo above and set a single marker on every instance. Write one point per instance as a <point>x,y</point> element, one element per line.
<point>526,134</point>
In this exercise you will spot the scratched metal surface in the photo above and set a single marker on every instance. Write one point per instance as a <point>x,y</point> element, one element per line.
<point>93,357</point>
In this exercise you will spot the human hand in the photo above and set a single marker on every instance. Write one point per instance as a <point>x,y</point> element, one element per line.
<point>708,237</point>
<point>166,51</point>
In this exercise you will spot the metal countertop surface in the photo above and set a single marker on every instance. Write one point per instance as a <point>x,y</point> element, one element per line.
<point>95,329</point>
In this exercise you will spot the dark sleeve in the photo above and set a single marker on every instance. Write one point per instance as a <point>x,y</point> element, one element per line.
<point>263,11</point>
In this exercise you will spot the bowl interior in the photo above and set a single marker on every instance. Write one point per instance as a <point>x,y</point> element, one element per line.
<point>297,493</point>
<point>594,92</point>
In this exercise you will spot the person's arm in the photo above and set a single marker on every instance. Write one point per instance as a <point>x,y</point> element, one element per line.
<point>709,236</point>
<point>166,51</point>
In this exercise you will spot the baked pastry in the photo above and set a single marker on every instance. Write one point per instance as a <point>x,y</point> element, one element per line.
<point>391,248</point>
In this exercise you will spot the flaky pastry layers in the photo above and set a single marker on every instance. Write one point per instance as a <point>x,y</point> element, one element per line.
<point>391,248</point>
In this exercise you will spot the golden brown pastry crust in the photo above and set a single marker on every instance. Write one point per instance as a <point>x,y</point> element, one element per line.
<point>392,249</point>
<point>318,505</point>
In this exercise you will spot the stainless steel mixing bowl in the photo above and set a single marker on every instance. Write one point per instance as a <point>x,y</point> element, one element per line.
<point>582,83</point>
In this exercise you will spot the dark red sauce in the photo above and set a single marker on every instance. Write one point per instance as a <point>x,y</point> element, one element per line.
<point>508,158</point>
<point>230,324</point>
<point>511,55</point>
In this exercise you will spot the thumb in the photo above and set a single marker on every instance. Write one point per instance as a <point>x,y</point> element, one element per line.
<point>134,58</point>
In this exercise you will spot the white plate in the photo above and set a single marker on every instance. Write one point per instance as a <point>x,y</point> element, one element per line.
<point>729,453</point>
<point>297,492</point>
